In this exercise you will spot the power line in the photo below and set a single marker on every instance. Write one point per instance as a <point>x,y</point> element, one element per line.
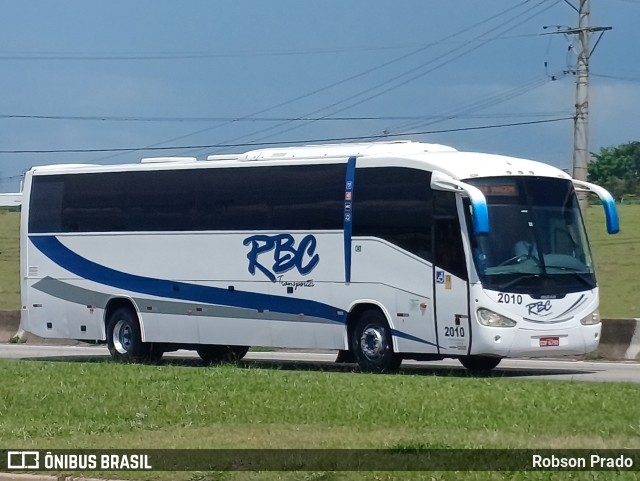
<point>125,56</point>
<point>415,72</point>
<point>290,142</point>
<point>480,104</point>
<point>157,56</point>
<point>104,118</point>
<point>361,74</point>
<point>616,77</point>
<point>339,82</point>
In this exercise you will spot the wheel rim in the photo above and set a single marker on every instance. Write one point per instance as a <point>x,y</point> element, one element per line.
<point>122,337</point>
<point>372,342</point>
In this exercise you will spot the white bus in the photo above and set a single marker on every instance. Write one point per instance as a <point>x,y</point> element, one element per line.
<point>382,251</point>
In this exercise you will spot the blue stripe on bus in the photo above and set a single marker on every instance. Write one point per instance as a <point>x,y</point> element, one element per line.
<point>404,335</point>
<point>348,215</point>
<point>82,267</point>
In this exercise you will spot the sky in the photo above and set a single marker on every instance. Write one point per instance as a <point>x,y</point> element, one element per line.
<point>87,81</point>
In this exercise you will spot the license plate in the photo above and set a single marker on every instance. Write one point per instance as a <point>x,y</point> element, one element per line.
<point>549,341</point>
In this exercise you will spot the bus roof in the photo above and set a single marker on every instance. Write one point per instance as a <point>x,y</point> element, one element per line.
<point>459,165</point>
<point>400,147</point>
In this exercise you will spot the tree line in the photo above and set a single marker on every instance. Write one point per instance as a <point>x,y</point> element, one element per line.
<point>617,169</point>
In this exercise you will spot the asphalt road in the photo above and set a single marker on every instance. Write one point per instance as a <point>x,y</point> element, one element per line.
<point>551,369</point>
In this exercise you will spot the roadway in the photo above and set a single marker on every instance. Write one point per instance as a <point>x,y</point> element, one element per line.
<point>548,369</point>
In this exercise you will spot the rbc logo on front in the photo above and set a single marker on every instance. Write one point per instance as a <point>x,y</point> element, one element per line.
<point>286,255</point>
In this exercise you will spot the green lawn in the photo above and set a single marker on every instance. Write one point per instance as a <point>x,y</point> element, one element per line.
<point>617,260</point>
<point>100,404</point>
<point>9,260</point>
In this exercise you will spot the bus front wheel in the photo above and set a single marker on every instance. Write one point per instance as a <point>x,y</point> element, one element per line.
<point>123,336</point>
<point>478,364</point>
<point>371,344</point>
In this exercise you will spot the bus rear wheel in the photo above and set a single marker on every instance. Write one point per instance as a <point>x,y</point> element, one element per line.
<point>124,339</point>
<point>371,344</point>
<point>214,353</point>
<point>479,364</point>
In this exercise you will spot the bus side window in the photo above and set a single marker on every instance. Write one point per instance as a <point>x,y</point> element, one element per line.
<point>449,251</point>
<point>447,238</point>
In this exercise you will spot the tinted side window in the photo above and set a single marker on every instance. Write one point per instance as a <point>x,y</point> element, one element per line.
<point>94,202</point>
<point>305,197</point>
<point>394,203</point>
<point>45,204</point>
<point>283,198</point>
<point>157,201</point>
<point>232,199</point>
<point>448,248</point>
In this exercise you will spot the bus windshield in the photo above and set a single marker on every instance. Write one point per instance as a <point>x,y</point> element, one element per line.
<point>537,242</point>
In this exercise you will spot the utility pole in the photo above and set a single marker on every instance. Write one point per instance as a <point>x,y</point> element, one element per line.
<point>581,120</point>
<point>581,128</point>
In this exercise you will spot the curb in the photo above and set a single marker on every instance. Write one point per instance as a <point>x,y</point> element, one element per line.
<point>633,352</point>
<point>620,339</point>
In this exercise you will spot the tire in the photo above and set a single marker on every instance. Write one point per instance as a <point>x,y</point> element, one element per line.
<point>154,353</point>
<point>371,344</point>
<point>480,364</point>
<point>345,357</point>
<point>124,339</point>
<point>215,354</point>
<point>239,352</point>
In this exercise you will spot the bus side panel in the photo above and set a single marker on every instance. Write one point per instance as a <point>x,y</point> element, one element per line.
<point>178,283</point>
<point>220,324</point>
<point>305,327</point>
<point>69,287</point>
<point>409,285</point>
<point>49,313</point>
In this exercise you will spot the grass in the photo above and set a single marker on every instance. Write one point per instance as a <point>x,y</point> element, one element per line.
<point>57,405</point>
<point>617,261</point>
<point>9,260</point>
<point>78,398</point>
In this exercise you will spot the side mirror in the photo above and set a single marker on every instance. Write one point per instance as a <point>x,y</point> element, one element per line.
<point>480,215</point>
<point>609,205</point>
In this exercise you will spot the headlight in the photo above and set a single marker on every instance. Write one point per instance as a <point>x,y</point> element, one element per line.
<point>492,319</point>
<point>593,318</point>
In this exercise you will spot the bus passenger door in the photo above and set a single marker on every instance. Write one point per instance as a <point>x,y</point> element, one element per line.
<point>451,290</point>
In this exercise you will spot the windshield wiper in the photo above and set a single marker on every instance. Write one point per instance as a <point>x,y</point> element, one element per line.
<point>512,282</point>
<point>506,285</point>
<point>567,268</point>
<point>586,282</point>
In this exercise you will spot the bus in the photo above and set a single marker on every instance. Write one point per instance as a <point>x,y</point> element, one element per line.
<point>381,251</point>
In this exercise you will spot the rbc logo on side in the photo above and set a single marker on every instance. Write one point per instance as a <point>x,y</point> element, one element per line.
<point>286,255</point>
